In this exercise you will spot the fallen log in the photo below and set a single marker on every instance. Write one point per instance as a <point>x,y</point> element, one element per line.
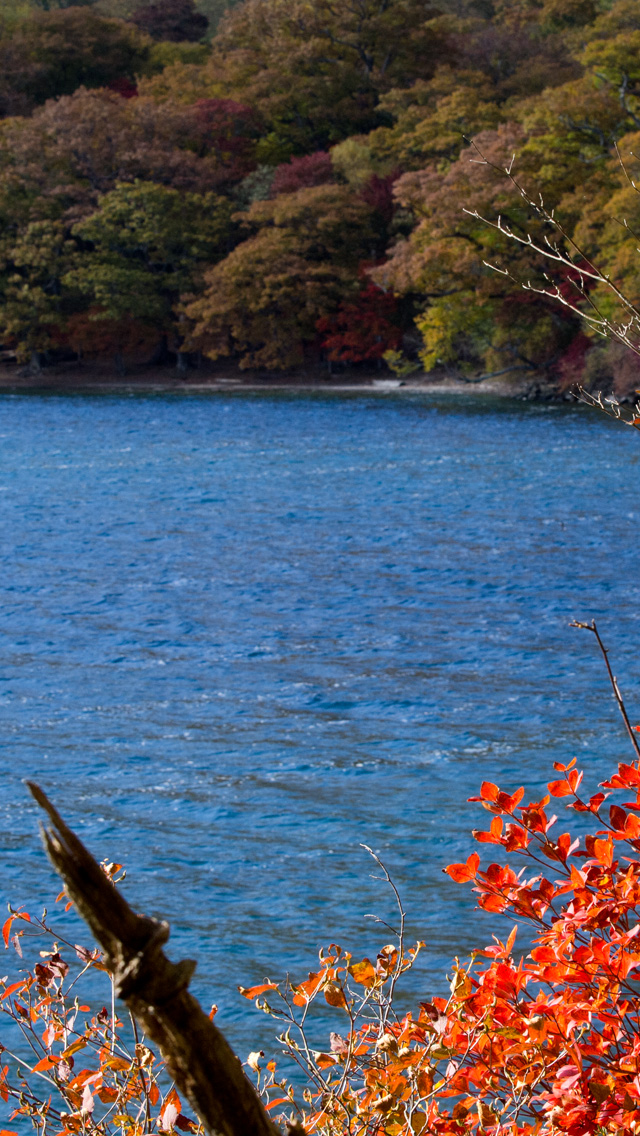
<point>198,1056</point>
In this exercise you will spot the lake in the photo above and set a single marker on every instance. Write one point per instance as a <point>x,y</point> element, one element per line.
<point>243,634</point>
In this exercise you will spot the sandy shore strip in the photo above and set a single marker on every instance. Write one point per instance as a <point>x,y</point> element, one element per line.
<point>88,378</point>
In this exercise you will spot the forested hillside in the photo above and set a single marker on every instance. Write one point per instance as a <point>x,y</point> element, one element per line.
<point>287,184</point>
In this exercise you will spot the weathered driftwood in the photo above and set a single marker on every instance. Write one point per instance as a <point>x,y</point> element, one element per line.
<point>198,1056</point>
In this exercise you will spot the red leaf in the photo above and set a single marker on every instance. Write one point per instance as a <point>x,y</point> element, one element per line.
<point>617,817</point>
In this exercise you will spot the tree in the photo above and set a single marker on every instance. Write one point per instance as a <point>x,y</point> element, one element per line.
<point>302,173</point>
<point>473,318</point>
<point>144,247</point>
<point>432,118</point>
<point>172,20</point>
<point>315,70</point>
<point>50,54</point>
<point>227,132</point>
<point>263,301</point>
<point>32,265</point>
<point>363,329</point>
<point>70,151</point>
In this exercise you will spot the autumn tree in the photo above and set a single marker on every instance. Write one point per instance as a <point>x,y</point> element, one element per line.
<point>261,304</point>
<point>50,54</point>
<point>143,247</point>
<point>363,329</point>
<point>431,119</point>
<point>58,169</point>
<point>70,151</point>
<point>315,70</point>
<point>172,20</point>
<point>465,321</point>
<point>302,173</point>
<point>227,133</point>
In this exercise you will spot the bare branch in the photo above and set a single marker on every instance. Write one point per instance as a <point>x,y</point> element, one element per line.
<point>563,251</point>
<point>612,679</point>
<point>198,1056</point>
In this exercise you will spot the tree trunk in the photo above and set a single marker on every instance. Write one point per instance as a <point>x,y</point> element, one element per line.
<point>198,1056</point>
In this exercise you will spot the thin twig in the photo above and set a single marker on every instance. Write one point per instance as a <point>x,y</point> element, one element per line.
<point>612,679</point>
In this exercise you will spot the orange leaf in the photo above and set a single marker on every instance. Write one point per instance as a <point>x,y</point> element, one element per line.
<point>305,991</point>
<point>75,1048</point>
<point>363,972</point>
<point>255,991</point>
<point>517,797</point>
<point>11,989</point>
<point>559,788</point>
<point>574,778</point>
<point>44,1064</point>
<point>459,873</point>
<point>6,929</point>
<point>489,791</point>
<point>494,834</point>
<point>492,903</point>
<point>334,995</point>
<point>271,1104</point>
<point>462,873</point>
<point>603,851</point>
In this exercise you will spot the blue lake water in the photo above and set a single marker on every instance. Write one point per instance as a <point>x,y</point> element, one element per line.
<point>242,634</point>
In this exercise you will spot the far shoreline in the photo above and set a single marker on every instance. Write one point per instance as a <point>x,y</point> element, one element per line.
<point>100,378</point>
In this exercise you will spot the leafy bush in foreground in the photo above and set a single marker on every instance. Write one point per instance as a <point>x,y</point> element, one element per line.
<point>541,1044</point>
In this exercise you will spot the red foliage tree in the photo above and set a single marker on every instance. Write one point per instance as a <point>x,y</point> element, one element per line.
<point>93,335</point>
<point>362,329</point>
<point>229,130</point>
<point>303,173</point>
<point>123,87</point>
<point>540,1043</point>
<point>378,195</point>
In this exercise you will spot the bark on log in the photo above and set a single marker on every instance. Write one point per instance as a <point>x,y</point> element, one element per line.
<point>198,1056</point>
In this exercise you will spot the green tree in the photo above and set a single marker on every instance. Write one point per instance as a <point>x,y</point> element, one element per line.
<point>143,247</point>
<point>48,54</point>
<point>32,265</point>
